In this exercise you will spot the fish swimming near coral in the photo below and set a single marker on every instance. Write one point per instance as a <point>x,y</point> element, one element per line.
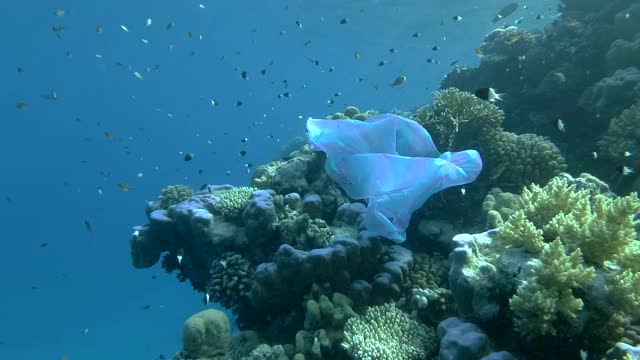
<point>505,11</point>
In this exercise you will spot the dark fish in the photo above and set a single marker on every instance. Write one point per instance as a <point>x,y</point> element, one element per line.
<point>505,11</point>
<point>154,277</point>
<point>243,153</point>
<point>146,307</point>
<point>44,244</point>
<point>188,156</point>
<point>344,20</point>
<point>244,75</point>
<point>19,70</point>
<point>331,101</point>
<point>244,140</point>
<point>88,226</point>
<point>263,72</point>
<point>238,103</point>
<point>435,48</point>
<point>433,61</point>
<point>454,62</point>
<point>21,106</point>
<point>488,94</point>
<point>307,42</point>
<point>8,198</point>
<point>457,18</point>
<point>200,171</point>
<point>416,35</point>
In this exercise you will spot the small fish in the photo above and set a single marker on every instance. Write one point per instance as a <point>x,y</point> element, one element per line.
<point>148,22</point>
<point>99,29</point>
<point>299,24</point>
<point>108,135</point>
<point>594,155</point>
<point>243,153</point>
<point>100,190</point>
<point>244,140</point>
<point>58,29</point>
<point>433,61</point>
<point>188,156</point>
<point>331,101</point>
<point>214,103</point>
<point>479,52</point>
<point>170,26</point>
<point>124,28</point>
<point>146,307</point>
<point>59,13</point>
<point>19,70</point>
<point>263,72</point>
<point>44,244</point>
<point>124,187</point>
<point>284,94</point>
<point>463,191</point>
<point>244,75</point>
<point>383,62</point>
<point>399,81</point>
<point>357,55</point>
<point>238,103</point>
<point>206,298</point>
<point>624,170</point>
<point>417,35</point>
<point>138,75</point>
<point>21,106</point>
<point>626,154</point>
<point>457,18</point>
<point>435,48</point>
<point>488,94</point>
<point>454,62</point>
<point>560,125</point>
<point>505,11</point>
<point>540,17</point>
<point>52,95</point>
<point>344,20</point>
<point>393,50</point>
<point>88,226</point>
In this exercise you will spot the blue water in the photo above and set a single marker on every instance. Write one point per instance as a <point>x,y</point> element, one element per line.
<point>79,295</point>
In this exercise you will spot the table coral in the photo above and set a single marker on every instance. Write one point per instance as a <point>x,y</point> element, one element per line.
<point>386,333</point>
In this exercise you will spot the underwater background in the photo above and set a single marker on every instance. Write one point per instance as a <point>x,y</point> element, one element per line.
<point>104,104</point>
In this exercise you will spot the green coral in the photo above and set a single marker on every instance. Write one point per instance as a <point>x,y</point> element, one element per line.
<point>231,203</point>
<point>386,333</point>
<point>520,232</point>
<point>623,135</point>
<point>174,194</point>
<point>548,294</point>
<point>597,229</point>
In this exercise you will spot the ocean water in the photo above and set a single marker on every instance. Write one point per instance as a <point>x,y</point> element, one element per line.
<point>68,286</point>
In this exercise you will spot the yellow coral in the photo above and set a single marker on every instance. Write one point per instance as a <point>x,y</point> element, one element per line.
<point>549,292</point>
<point>520,232</point>
<point>231,202</point>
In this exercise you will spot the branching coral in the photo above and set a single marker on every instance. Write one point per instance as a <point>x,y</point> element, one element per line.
<point>231,278</point>
<point>386,333</point>
<point>548,293</point>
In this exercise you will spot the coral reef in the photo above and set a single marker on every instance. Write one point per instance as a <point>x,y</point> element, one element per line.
<point>205,337</point>
<point>386,333</point>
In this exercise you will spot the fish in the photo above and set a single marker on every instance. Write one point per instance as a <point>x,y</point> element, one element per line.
<point>238,103</point>
<point>44,244</point>
<point>99,29</point>
<point>454,62</point>
<point>88,226</point>
<point>52,95</point>
<point>560,125</point>
<point>148,22</point>
<point>626,154</point>
<point>21,106</point>
<point>108,135</point>
<point>393,50</point>
<point>244,140</point>
<point>263,72</point>
<point>59,13</point>
<point>488,94</point>
<point>243,153</point>
<point>457,18</point>
<point>435,48</point>
<point>146,307</point>
<point>299,24</point>
<point>357,55</point>
<point>433,61</point>
<point>344,20</point>
<point>417,35</point>
<point>138,75</point>
<point>124,28</point>
<point>399,81</point>
<point>244,75</point>
<point>188,156</point>
<point>625,170</point>
<point>505,11</point>
<point>19,70</point>
<point>383,62</point>
<point>124,187</point>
